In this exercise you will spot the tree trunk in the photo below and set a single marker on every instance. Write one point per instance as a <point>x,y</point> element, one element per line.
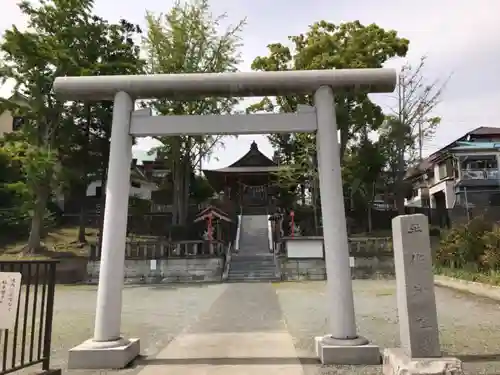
<point>82,217</point>
<point>400,196</point>
<point>185,189</point>
<point>84,180</point>
<point>177,191</point>
<point>177,179</point>
<point>35,237</point>
<point>314,198</point>
<point>370,223</point>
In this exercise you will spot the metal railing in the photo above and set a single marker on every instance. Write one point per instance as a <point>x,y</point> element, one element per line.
<point>480,174</point>
<point>29,342</point>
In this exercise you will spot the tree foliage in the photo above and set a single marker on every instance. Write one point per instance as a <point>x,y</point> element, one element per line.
<point>329,46</point>
<point>63,38</point>
<point>187,40</point>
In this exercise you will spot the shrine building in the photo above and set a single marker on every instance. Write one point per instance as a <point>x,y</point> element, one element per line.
<point>248,182</point>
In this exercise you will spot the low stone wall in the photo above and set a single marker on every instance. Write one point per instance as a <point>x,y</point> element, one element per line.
<point>68,270</point>
<point>166,270</point>
<point>371,257</point>
<point>374,267</point>
<point>302,269</point>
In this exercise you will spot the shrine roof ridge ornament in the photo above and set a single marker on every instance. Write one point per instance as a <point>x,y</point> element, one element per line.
<point>242,84</point>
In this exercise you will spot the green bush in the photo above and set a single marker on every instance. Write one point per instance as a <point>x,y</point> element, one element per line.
<point>474,247</point>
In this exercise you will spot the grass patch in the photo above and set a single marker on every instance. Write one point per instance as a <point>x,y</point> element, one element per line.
<point>490,277</point>
<point>385,292</point>
<point>59,243</point>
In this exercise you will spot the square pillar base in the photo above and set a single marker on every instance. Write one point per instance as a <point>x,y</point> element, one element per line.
<point>328,354</point>
<point>396,362</point>
<point>92,355</point>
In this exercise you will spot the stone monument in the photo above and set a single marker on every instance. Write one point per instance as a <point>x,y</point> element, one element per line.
<point>420,352</point>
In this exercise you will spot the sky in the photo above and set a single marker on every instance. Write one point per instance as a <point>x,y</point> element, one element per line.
<point>460,38</point>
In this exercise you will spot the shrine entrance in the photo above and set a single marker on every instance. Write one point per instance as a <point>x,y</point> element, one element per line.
<point>254,195</point>
<point>107,349</point>
<point>247,183</point>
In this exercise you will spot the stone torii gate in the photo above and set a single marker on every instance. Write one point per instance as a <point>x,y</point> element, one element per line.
<point>342,345</point>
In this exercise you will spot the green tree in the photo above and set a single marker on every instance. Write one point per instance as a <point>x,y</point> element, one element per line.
<point>14,215</point>
<point>361,172</point>
<point>51,46</point>
<point>329,46</point>
<point>110,49</point>
<point>187,40</point>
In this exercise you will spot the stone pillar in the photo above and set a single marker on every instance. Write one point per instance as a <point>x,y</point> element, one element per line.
<point>108,349</point>
<point>342,345</point>
<point>420,352</point>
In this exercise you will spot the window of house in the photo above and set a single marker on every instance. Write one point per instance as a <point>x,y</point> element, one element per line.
<point>443,170</point>
<point>414,192</point>
<point>135,184</point>
<point>17,123</point>
<point>98,191</point>
<point>484,162</point>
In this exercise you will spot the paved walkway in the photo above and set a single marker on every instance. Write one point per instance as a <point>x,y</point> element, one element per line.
<point>237,328</point>
<point>242,333</point>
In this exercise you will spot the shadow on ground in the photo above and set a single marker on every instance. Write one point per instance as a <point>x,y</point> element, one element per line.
<point>223,361</point>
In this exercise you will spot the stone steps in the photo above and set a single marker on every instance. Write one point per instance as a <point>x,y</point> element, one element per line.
<point>253,263</point>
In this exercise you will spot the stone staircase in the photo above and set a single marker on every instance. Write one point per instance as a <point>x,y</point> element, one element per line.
<point>253,262</point>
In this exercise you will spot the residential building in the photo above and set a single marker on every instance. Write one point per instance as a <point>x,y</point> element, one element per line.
<point>465,173</point>
<point>140,185</point>
<point>9,123</point>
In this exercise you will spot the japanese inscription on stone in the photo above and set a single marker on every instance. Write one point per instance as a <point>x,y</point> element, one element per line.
<point>419,333</point>
<point>10,285</point>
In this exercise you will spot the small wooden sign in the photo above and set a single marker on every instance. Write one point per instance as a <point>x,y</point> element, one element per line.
<point>10,286</point>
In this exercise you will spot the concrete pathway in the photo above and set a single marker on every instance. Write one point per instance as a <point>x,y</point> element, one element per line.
<point>242,333</point>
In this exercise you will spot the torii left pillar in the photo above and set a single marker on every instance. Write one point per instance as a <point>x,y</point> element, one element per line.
<point>108,349</point>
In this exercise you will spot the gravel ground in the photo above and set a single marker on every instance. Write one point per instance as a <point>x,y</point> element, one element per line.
<point>470,327</point>
<point>155,314</point>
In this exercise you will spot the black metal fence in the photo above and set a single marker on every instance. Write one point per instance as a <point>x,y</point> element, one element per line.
<point>307,222</point>
<point>29,342</point>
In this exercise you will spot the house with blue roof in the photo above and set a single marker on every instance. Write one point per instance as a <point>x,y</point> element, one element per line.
<point>465,173</point>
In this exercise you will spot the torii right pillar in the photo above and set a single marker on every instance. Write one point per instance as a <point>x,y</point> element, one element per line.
<point>342,345</point>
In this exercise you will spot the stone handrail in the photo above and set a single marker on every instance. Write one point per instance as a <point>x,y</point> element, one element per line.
<point>238,233</point>
<point>159,249</point>
<point>370,246</point>
<point>270,233</point>
<point>227,264</point>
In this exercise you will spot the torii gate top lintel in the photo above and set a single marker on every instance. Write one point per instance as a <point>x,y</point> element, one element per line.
<point>239,84</point>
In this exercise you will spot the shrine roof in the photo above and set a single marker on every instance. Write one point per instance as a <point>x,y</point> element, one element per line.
<point>253,161</point>
<point>272,168</point>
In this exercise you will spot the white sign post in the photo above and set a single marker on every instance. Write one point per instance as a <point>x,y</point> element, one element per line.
<point>10,286</point>
<point>152,264</point>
